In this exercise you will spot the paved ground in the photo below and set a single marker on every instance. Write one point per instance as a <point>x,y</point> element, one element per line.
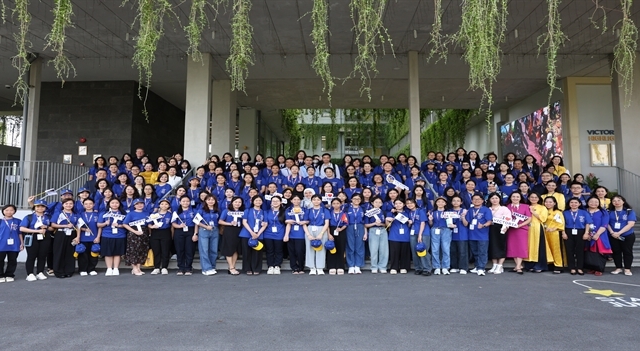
<point>507,312</point>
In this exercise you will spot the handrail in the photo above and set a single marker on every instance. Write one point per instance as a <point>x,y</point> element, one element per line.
<point>174,187</point>
<point>629,186</point>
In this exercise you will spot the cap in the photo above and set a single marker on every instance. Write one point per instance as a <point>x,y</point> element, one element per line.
<point>138,201</point>
<point>255,244</point>
<point>330,246</point>
<point>484,162</point>
<point>66,191</point>
<point>80,248</point>
<point>83,190</point>
<point>431,162</point>
<point>95,250</point>
<point>421,249</point>
<point>40,202</point>
<point>192,178</point>
<point>316,244</point>
<point>420,179</point>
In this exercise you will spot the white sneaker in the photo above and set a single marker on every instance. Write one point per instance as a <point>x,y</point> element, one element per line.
<point>270,271</point>
<point>41,276</point>
<point>116,271</point>
<point>156,271</point>
<point>462,271</point>
<point>436,271</point>
<point>374,271</point>
<point>2,280</point>
<point>403,271</point>
<point>474,270</point>
<point>393,272</point>
<point>276,270</point>
<point>383,271</point>
<point>84,274</point>
<point>493,268</point>
<point>31,278</point>
<point>357,270</point>
<point>9,279</point>
<point>445,271</point>
<point>164,271</point>
<point>352,270</point>
<point>213,271</point>
<point>320,271</point>
<point>480,272</point>
<point>93,273</point>
<point>312,272</point>
<point>498,270</point>
<point>109,272</point>
<point>454,270</point>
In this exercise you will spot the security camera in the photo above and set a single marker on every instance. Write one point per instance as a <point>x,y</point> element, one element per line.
<point>7,86</point>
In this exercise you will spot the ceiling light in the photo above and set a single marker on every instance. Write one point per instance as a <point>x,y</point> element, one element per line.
<point>415,34</point>
<point>126,37</point>
<point>213,34</point>
<point>515,32</point>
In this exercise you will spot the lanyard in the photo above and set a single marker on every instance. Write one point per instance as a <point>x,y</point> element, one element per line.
<point>336,216</point>
<point>315,215</point>
<point>88,218</point>
<point>356,212</point>
<point>275,216</point>
<point>257,215</point>
<point>475,213</point>
<point>574,216</point>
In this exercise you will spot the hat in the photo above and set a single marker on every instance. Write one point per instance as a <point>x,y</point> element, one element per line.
<point>431,162</point>
<point>484,162</point>
<point>137,201</point>
<point>66,191</point>
<point>192,178</point>
<point>95,250</point>
<point>316,244</point>
<point>40,202</point>
<point>330,246</point>
<point>255,244</point>
<point>83,190</point>
<point>421,249</point>
<point>164,200</point>
<point>449,163</point>
<point>80,248</point>
<point>420,179</point>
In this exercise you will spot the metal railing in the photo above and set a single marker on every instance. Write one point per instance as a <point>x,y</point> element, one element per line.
<point>20,179</point>
<point>629,186</point>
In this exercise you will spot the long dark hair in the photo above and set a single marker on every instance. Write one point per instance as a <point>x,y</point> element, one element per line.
<point>625,204</point>
<point>206,207</point>
<point>230,207</point>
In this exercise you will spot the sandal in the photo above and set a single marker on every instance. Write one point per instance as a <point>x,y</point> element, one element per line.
<point>617,271</point>
<point>573,272</point>
<point>519,271</point>
<point>332,272</point>
<point>580,272</point>
<point>234,272</point>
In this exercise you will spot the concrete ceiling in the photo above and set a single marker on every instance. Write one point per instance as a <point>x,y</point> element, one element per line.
<point>101,45</point>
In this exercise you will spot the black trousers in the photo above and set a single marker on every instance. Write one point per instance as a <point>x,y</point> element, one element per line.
<point>39,250</point>
<point>50,252</point>
<point>185,248</point>
<point>86,261</point>
<point>274,252</point>
<point>12,263</point>
<point>399,255</point>
<point>574,246</point>
<point>160,242</point>
<point>336,260</point>
<point>623,251</point>
<point>251,259</point>
<point>64,264</point>
<point>297,253</point>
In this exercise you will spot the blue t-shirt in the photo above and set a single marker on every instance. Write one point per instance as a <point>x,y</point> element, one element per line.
<point>10,235</point>
<point>313,183</point>
<point>438,220</point>
<point>109,217</point>
<point>164,220</point>
<point>186,217</point>
<point>481,215</point>
<point>62,218</point>
<point>275,229</point>
<point>576,220</point>
<point>31,224</point>
<point>355,215</point>
<point>317,217</point>
<point>210,217</point>
<point>622,217</point>
<point>297,230</point>
<point>460,232</point>
<point>600,219</point>
<point>135,216</point>
<point>398,231</point>
<point>254,219</point>
<point>339,219</point>
<point>418,216</point>
<point>226,216</point>
<point>90,220</point>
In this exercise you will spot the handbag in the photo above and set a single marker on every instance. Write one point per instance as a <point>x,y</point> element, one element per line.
<point>594,260</point>
<point>149,261</point>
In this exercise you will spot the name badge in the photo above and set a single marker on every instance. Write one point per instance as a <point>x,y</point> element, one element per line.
<point>67,231</point>
<point>377,231</point>
<point>471,227</point>
<point>193,203</point>
<point>616,225</point>
<point>87,234</point>
<point>10,241</point>
<point>474,221</point>
<point>40,237</point>
<point>401,231</point>
<point>185,229</point>
<point>274,229</point>
<point>114,230</point>
<point>437,231</point>
<point>336,233</point>
<point>412,232</point>
<point>574,231</point>
<point>455,230</point>
<point>296,227</point>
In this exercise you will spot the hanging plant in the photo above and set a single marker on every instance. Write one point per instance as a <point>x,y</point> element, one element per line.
<point>624,53</point>
<point>368,26</point>
<point>21,60</point>
<point>481,33</point>
<point>62,12</point>
<point>554,38</point>
<point>319,35</point>
<point>291,129</point>
<point>438,41</point>
<point>197,22</point>
<point>241,54</point>
<point>150,18</point>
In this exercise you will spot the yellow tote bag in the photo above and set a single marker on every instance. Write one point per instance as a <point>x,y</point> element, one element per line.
<point>149,261</point>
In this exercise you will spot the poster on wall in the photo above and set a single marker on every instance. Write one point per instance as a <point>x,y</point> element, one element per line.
<point>600,156</point>
<point>538,134</point>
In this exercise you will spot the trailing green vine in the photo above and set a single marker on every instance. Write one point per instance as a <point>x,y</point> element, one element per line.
<point>62,12</point>
<point>241,54</point>
<point>437,40</point>
<point>292,129</point>
<point>447,133</point>
<point>368,26</point>
<point>319,35</point>
<point>481,33</point>
<point>197,22</point>
<point>554,38</point>
<point>150,18</point>
<point>624,53</point>
<point>21,60</point>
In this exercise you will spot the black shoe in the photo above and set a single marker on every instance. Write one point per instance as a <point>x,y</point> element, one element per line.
<point>417,272</point>
<point>426,273</point>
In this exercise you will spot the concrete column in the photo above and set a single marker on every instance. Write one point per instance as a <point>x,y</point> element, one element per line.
<point>414,106</point>
<point>248,127</point>
<point>223,127</point>
<point>30,127</point>
<point>626,123</point>
<point>198,110</point>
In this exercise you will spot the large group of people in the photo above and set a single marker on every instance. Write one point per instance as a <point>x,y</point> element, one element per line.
<point>448,214</point>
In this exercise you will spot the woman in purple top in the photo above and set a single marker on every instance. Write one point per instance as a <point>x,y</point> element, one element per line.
<point>518,237</point>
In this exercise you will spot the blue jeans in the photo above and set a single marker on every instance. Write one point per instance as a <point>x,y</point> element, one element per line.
<point>441,243</point>
<point>208,248</point>
<point>379,248</point>
<point>421,263</point>
<point>355,245</point>
<point>460,254</point>
<point>480,251</point>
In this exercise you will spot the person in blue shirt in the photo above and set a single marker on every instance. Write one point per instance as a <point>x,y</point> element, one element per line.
<point>64,221</point>
<point>294,178</point>
<point>337,228</point>
<point>248,183</point>
<point>337,183</point>
<point>98,164</point>
<point>274,234</point>
<point>160,238</point>
<point>185,235</point>
<point>442,184</point>
<point>83,193</point>
<point>622,219</point>
<point>137,237</point>
<point>377,236</point>
<point>129,194</point>
<point>459,238</point>
<point>389,203</point>
<point>231,220</point>
<point>149,198</point>
<point>399,242</point>
<point>379,188</point>
<point>466,195</point>
<point>318,225</point>
<point>441,232</point>
<point>353,187</point>
<point>88,232</point>
<point>253,227</point>
<point>217,186</point>
<point>366,177</point>
<point>121,183</point>
<point>479,219</point>
<point>311,181</point>
<point>355,235</point>
<point>175,200</point>
<point>576,235</point>
<point>599,240</point>
<point>275,177</point>
<point>294,235</point>
<point>419,227</point>
<point>11,243</point>
<point>422,198</point>
<point>509,186</point>
<point>193,192</point>
<point>208,234</point>
<point>36,225</point>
